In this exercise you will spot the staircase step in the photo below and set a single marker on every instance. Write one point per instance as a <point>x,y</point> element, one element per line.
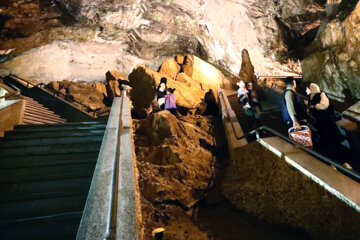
<point>41,207</point>
<point>48,127</point>
<point>43,120</point>
<point>55,227</point>
<point>51,149</point>
<point>49,160</point>
<point>43,114</point>
<point>44,189</point>
<point>48,141</point>
<point>56,125</point>
<point>44,173</point>
<point>27,121</point>
<point>33,116</point>
<point>12,135</point>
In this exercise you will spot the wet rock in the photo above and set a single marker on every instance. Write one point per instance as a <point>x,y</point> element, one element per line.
<point>170,67</point>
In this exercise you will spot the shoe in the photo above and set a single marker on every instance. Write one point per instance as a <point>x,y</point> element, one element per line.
<point>247,106</point>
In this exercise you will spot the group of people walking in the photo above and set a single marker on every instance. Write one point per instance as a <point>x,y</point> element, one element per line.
<point>317,113</point>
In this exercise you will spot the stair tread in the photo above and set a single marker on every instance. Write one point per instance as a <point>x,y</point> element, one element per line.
<point>44,189</point>
<point>47,160</point>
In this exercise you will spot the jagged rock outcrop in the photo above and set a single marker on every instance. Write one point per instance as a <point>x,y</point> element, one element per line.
<point>333,58</point>
<point>82,37</point>
<point>112,84</point>
<point>191,85</point>
<point>90,95</point>
<point>174,158</point>
<point>247,73</point>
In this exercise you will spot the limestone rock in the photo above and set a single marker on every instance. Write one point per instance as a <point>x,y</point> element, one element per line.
<point>87,94</point>
<point>173,164</point>
<point>179,59</point>
<point>170,67</point>
<point>333,58</point>
<point>100,87</point>
<point>144,85</point>
<point>112,85</point>
<point>204,74</point>
<point>247,73</point>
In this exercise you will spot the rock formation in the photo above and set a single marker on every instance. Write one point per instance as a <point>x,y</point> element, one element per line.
<point>91,96</point>
<point>176,167</point>
<point>79,40</point>
<point>333,58</point>
<point>247,73</point>
<point>112,84</point>
<point>191,85</point>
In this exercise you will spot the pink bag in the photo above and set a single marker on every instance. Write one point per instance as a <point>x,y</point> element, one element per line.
<point>170,102</point>
<point>301,136</point>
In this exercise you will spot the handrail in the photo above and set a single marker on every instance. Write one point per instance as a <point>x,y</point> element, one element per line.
<point>321,157</point>
<point>55,93</point>
<point>10,94</point>
<point>111,227</point>
<point>229,113</point>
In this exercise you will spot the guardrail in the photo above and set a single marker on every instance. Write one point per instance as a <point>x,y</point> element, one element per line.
<point>257,131</point>
<point>110,208</point>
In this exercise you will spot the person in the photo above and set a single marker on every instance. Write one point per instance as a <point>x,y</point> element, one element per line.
<point>170,101</point>
<point>243,95</point>
<point>253,99</point>
<point>125,86</point>
<point>211,105</point>
<point>323,112</point>
<point>292,106</point>
<point>161,92</point>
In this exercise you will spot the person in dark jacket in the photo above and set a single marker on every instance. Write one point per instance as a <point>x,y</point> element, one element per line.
<point>161,91</point>
<point>323,112</point>
<point>293,107</point>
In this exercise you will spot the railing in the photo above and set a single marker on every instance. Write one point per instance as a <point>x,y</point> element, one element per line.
<point>16,93</point>
<point>106,216</point>
<point>257,132</point>
<point>55,93</point>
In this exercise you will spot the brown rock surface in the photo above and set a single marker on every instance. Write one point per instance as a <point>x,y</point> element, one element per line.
<point>111,83</point>
<point>333,58</point>
<point>172,164</point>
<point>170,67</point>
<point>85,93</point>
<point>175,168</point>
<point>247,73</point>
<point>189,90</point>
<point>204,73</point>
<point>268,187</point>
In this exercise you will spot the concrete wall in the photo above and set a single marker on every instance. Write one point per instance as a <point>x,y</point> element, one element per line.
<point>11,114</point>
